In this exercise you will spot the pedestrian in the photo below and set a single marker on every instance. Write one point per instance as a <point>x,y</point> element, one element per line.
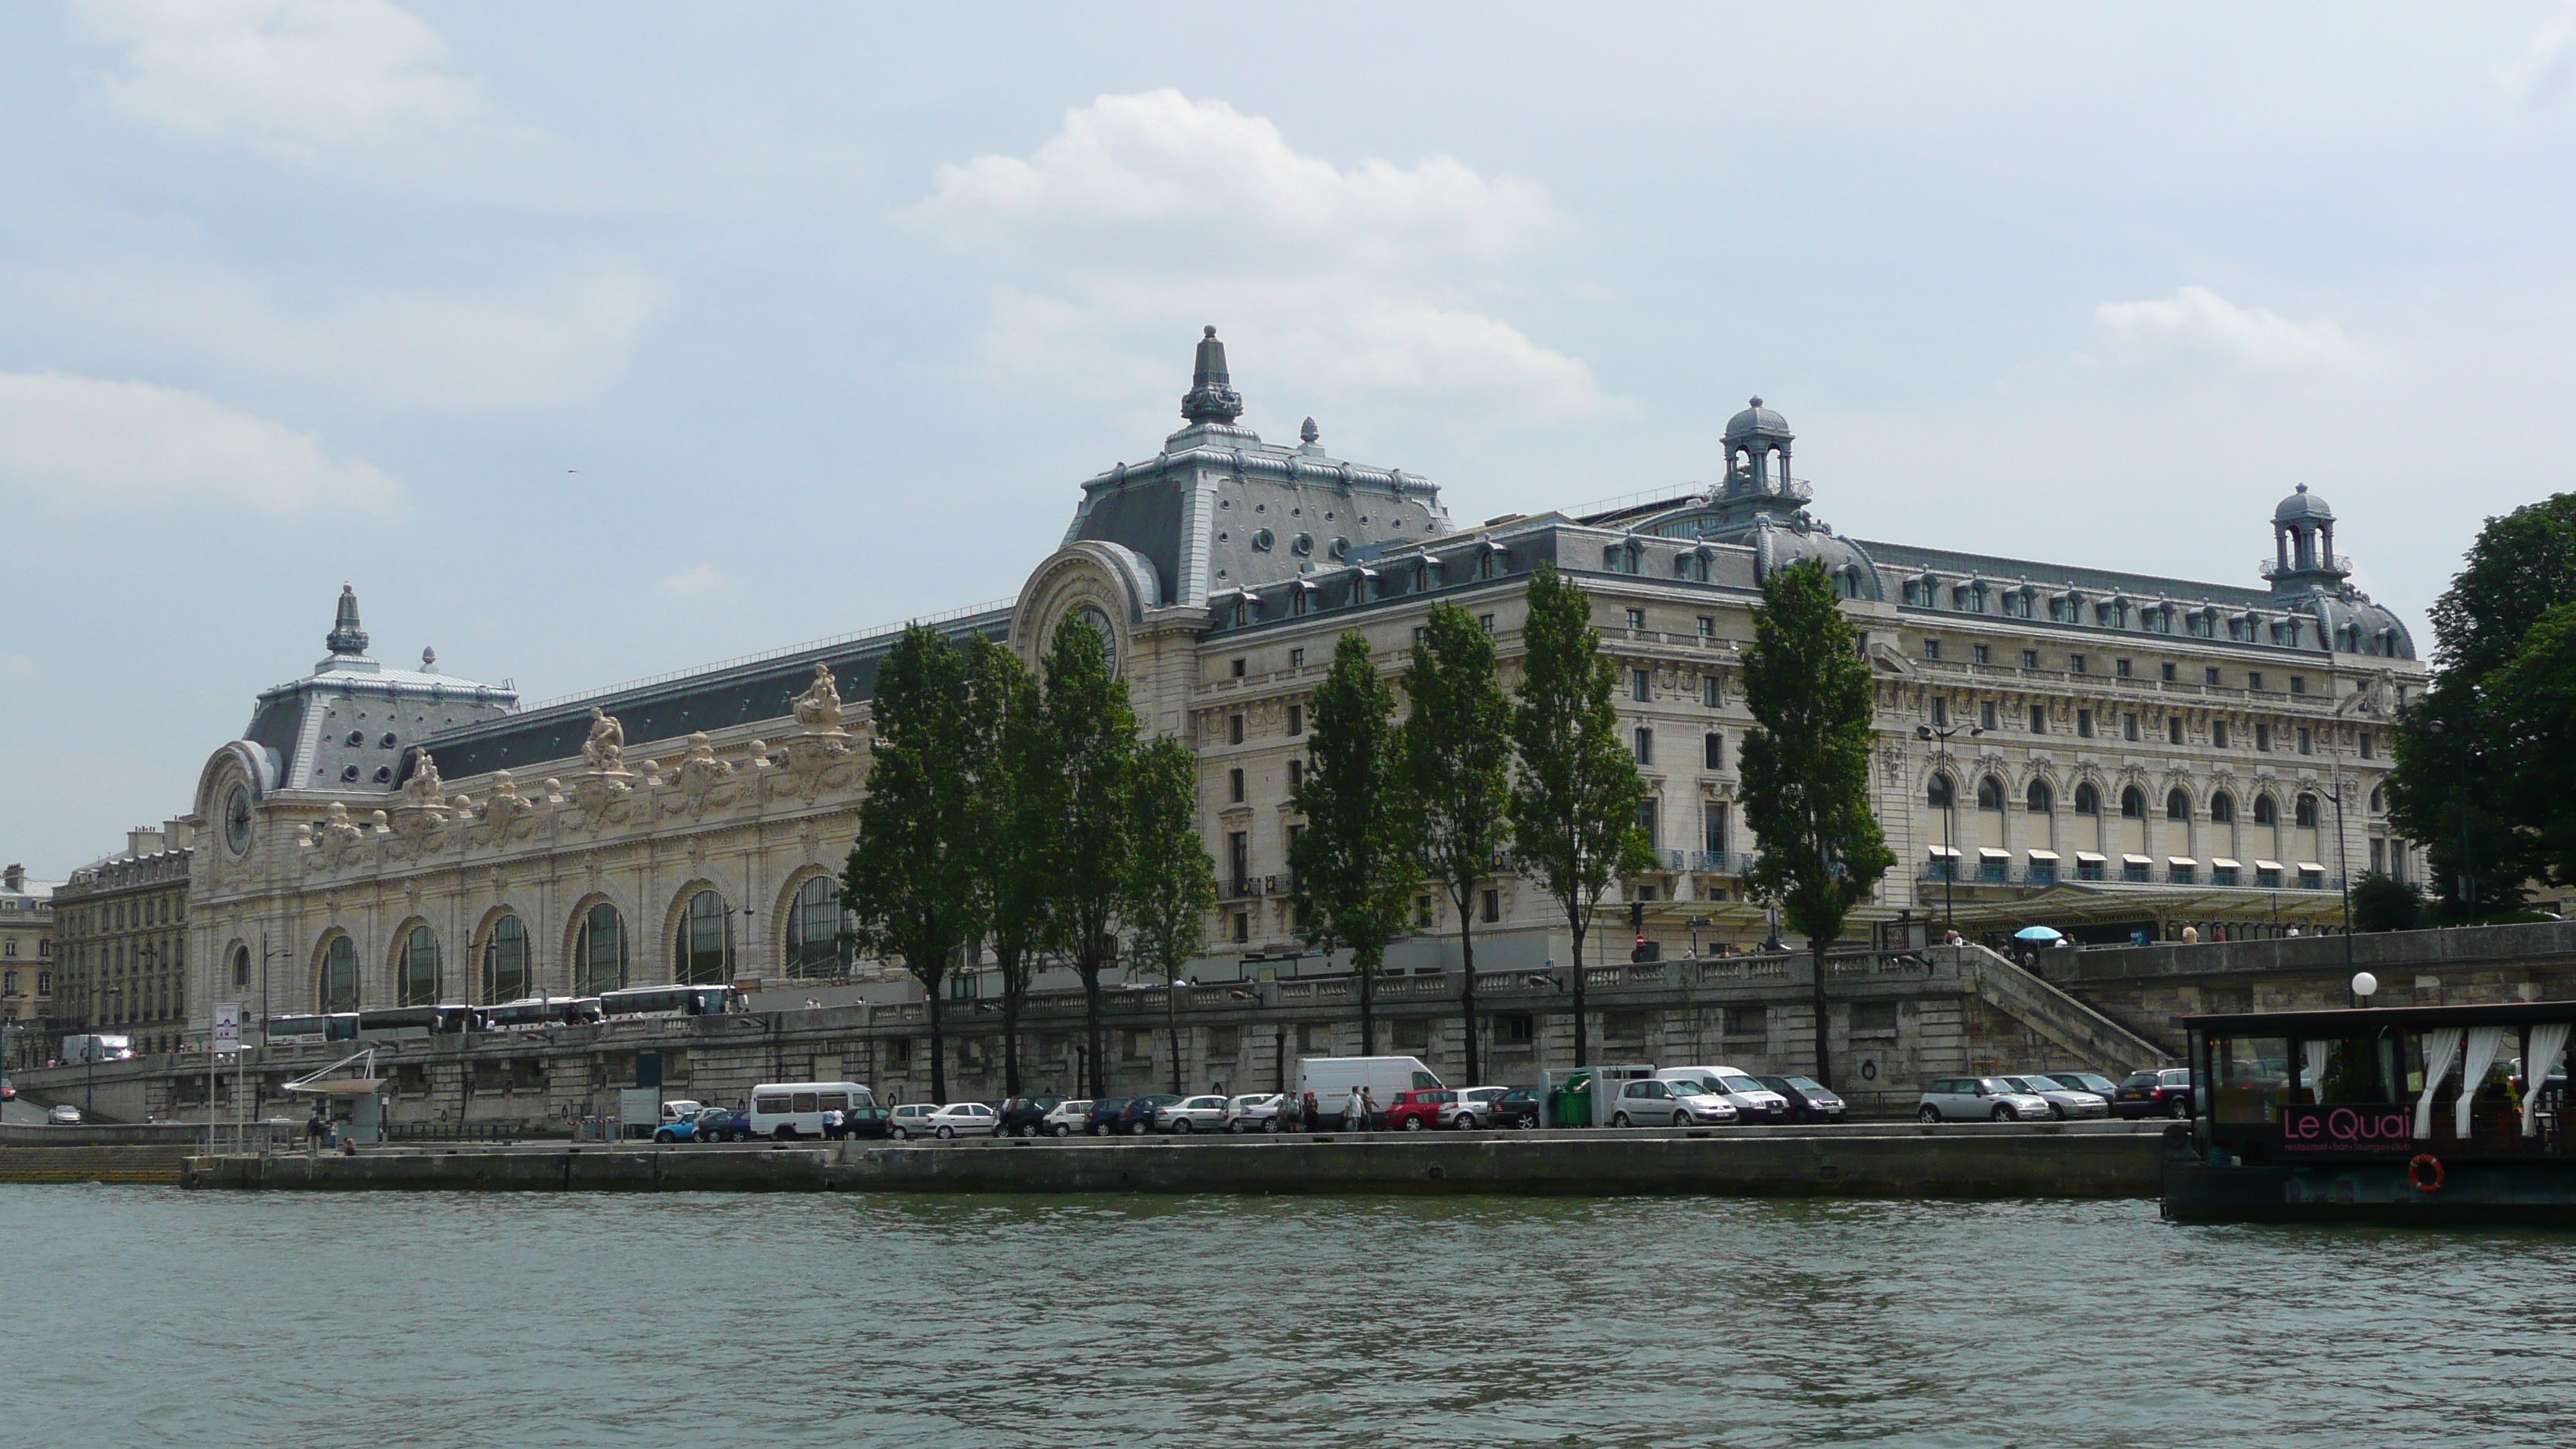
<point>1354,1119</point>
<point>832,1124</point>
<point>1314,1114</point>
<point>313,1137</point>
<point>1368,1110</point>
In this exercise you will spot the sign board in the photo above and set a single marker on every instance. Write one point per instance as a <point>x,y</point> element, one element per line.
<point>228,1026</point>
<point>2377,1129</point>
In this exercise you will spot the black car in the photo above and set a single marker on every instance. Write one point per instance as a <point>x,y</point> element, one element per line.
<point>1519,1107</point>
<point>1026,1116</point>
<point>1136,1118</point>
<point>869,1121</point>
<point>1808,1100</point>
<point>1104,1115</point>
<point>2160,1092</point>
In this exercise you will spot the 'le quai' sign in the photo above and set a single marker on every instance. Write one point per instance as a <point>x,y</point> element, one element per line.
<point>2373,1128</point>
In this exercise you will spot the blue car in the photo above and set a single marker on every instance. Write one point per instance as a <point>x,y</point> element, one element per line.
<point>1105,1114</point>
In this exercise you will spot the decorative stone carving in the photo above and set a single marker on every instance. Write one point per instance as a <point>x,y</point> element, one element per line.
<point>424,790</point>
<point>337,827</point>
<point>506,803</point>
<point>818,709</point>
<point>605,750</point>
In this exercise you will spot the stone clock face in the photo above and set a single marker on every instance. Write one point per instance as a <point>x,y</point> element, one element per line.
<point>237,819</point>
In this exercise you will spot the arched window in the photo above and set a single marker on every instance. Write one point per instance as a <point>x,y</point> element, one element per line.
<point>815,951</point>
<point>1941,794</point>
<point>2265,812</point>
<point>340,975</point>
<point>505,961</point>
<point>599,952</point>
<point>705,948</point>
<point>2378,801</point>
<point>241,966</point>
<point>2040,798</point>
<point>2307,812</point>
<point>2088,801</point>
<point>2222,808</point>
<point>420,967</point>
<point>2133,804</point>
<point>2177,805</point>
<point>1990,793</point>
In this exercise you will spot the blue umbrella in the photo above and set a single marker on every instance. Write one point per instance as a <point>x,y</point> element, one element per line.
<point>2034,933</point>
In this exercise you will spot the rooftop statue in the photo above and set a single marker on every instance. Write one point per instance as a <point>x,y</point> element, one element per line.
<point>605,750</point>
<point>819,707</point>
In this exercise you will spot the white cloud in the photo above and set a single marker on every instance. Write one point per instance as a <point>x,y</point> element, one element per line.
<point>2540,74</point>
<point>1146,215</point>
<point>697,581</point>
<point>2198,330</point>
<point>82,444</point>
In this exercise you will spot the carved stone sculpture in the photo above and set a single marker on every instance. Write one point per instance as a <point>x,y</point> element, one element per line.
<point>819,707</point>
<point>424,790</point>
<point>605,750</point>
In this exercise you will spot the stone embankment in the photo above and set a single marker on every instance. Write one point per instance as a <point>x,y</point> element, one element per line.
<point>92,1164</point>
<point>1967,1161</point>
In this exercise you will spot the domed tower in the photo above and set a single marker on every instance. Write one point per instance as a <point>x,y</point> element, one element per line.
<point>2309,577</point>
<point>2303,543</point>
<point>1752,436</point>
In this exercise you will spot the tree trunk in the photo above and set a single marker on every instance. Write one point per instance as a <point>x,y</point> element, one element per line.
<point>1172,1025</point>
<point>1013,987</point>
<point>1467,993</point>
<point>1091,1021</point>
<point>1824,1064</point>
<point>1582,1057</point>
<point>938,1051</point>
<point>1368,1017</point>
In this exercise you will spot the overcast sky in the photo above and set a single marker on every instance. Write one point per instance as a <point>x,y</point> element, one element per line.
<point>596,341</point>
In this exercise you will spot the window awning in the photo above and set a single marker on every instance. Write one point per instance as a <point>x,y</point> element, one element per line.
<point>2223,863</point>
<point>1988,852</point>
<point>2086,857</point>
<point>2183,862</point>
<point>1943,852</point>
<point>2137,860</point>
<point>2273,866</point>
<point>2043,855</point>
<point>2310,867</point>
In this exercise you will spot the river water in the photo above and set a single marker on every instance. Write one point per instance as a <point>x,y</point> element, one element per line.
<point>144,1316</point>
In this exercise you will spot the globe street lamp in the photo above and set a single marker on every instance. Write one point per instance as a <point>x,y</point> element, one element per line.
<point>1949,811</point>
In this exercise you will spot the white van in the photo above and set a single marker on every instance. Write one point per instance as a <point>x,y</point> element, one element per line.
<point>1753,1101</point>
<point>1332,1078</point>
<point>788,1110</point>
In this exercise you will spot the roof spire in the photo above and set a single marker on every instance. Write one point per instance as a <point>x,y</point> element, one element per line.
<point>346,637</point>
<point>1211,398</point>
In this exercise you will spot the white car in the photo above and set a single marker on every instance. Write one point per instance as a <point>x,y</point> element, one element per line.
<point>963,1119</point>
<point>1753,1102</point>
<point>1258,1112</point>
<point>1191,1114</point>
<point>912,1119</point>
<point>1066,1118</point>
<point>2063,1101</point>
<point>65,1115</point>
<point>1652,1103</point>
<point>1978,1099</point>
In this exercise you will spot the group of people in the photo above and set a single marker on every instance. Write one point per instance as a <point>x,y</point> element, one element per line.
<point>1359,1112</point>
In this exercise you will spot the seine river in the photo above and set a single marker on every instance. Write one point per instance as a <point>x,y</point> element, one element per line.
<point>143,1316</point>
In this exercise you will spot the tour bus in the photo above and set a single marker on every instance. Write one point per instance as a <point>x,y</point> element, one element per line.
<point>309,1030</point>
<point>651,1001</point>
<point>413,1023</point>
<point>1332,1080</point>
<point>530,1013</point>
<point>788,1110</point>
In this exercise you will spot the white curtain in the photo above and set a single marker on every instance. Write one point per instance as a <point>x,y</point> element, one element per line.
<point>2548,1043</point>
<point>2313,1056</point>
<point>2484,1043</point>
<point>2441,1048</point>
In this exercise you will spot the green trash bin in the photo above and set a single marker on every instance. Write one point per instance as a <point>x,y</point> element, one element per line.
<point>1571,1104</point>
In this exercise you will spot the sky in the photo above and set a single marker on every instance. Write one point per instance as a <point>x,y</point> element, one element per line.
<point>594,341</point>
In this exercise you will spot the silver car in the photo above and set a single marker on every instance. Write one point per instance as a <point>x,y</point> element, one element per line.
<point>1978,1099</point>
<point>1257,1112</point>
<point>1474,1108</point>
<point>2064,1102</point>
<point>1192,1114</point>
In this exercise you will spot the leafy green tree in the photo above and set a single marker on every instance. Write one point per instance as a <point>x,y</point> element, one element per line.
<point>1354,861</point>
<point>1576,802</point>
<point>1015,787</point>
<point>1171,882</point>
<point>1806,766</point>
<point>910,883</point>
<point>2531,706</point>
<point>2381,903</point>
<point>2456,786</point>
<point>1091,734</point>
<point>1456,759</point>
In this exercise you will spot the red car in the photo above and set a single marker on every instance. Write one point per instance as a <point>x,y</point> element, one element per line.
<point>1420,1110</point>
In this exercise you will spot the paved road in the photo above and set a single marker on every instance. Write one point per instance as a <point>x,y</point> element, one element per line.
<point>22,1113</point>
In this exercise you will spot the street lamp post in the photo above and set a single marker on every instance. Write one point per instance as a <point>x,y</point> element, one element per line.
<point>1949,812</point>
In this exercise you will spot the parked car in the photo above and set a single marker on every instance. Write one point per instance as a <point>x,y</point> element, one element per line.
<point>1475,1107</point>
<point>1066,1117</point>
<point>713,1124</point>
<point>1257,1112</point>
<point>1026,1116</point>
<point>870,1121</point>
<point>1519,1107</point>
<point>910,1120</point>
<point>1652,1103</point>
<point>8,1093</point>
<point>1191,1114</point>
<point>2094,1082</point>
<point>1137,1117</point>
<point>1807,1098</point>
<point>2157,1092</point>
<point>685,1130</point>
<point>2064,1102</point>
<point>1753,1101</point>
<point>1105,1114</point>
<point>64,1115</point>
<point>1978,1099</point>
<point>1414,1110</point>
<point>964,1119</point>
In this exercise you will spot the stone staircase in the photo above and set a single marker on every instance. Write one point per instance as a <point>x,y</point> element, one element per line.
<point>2072,1025</point>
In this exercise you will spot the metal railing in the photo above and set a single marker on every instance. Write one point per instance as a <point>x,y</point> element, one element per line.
<point>2043,875</point>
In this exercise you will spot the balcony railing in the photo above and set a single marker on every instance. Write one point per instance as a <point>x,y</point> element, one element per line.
<point>2043,874</point>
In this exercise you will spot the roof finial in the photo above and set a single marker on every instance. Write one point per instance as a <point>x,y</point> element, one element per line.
<point>1309,432</point>
<point>345,636</point>
<point>428,660</point>
<point>1211,398</point>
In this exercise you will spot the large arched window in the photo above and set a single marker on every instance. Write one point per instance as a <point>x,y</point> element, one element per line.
<point>420,967</point>
<point>2133,804</point>
<point>599,952</point>
<point>1941,794</point>
<point>2265,812</point>
<point>2378,801</point>
<point>340,974</point>
<point>814,949</point>
<point>2177,805</point>
<point>2307,812</point>
<point>505,961</point>
<point>2088,801</point>
<point>1990,793</point>
<point>704,952</point>
<point>2222,808</point>
<point>2040,798</point>
<point>241,966</point>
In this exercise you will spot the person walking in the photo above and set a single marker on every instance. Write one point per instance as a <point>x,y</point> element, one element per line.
<point>1312,1113</point>
<point>1368,1110</point>
<point>313,1137</point>
<point>1354,1117</point>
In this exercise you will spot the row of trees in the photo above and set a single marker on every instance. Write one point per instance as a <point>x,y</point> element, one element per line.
<point>1022,812</point>
<point>1471,778</point>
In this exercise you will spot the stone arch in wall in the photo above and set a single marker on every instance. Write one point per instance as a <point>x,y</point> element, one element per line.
<point>478,963</point>
<point>711,942</point>
<point>784,934</point>
<point>334,978</point>
<point>415,962</point>
<point>583,972</point>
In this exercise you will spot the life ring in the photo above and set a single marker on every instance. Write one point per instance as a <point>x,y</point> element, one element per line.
<point>2425,1171</point>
